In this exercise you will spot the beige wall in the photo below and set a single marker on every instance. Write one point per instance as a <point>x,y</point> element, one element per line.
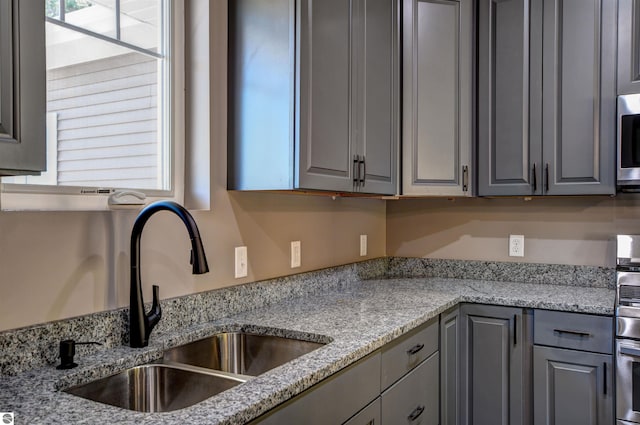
<point>57,265</point>
<point>577,231</point>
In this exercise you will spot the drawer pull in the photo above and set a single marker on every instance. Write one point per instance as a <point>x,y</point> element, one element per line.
<point>415,349</point>
<point>416,413</point>
<point>577,333</point>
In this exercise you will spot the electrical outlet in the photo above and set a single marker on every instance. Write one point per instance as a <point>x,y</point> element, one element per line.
<point>516,245</point>
<point>241,262</point>
<point>295,254</point>
<point>363,245</point>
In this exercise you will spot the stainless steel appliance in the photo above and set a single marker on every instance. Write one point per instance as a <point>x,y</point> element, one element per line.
<point>628,175</point>
<point>628,330</point>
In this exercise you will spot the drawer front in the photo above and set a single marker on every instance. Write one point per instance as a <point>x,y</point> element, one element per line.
<point>370,415</point>
<point>333,400</point>
<point>414,400</point>
<point>408,351</point>
<point>573,330</point>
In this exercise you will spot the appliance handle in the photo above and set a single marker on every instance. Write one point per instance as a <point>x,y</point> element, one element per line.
<point>630,351</point>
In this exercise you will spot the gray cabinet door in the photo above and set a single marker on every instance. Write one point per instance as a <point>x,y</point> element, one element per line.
<point>628,46</point>
<point>414,399</point>
<point>375,82</point>
<point>370,415</point>
<point>493,380</point>
<point>437,97</point>
<point>509,97</point>
<point>572,387</point>
<point>556,137</point>
<point>325,159</point>
<point>22,88</point>
<point>332,401</point>
<point>579,96</point>
<point>449,367</point>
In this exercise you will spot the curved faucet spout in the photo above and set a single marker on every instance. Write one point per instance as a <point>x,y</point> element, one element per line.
<point>140,323</point>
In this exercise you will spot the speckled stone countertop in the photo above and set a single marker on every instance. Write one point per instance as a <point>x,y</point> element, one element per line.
<point>357,318</point>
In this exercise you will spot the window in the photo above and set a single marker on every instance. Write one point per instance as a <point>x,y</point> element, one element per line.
<point>112,74</point>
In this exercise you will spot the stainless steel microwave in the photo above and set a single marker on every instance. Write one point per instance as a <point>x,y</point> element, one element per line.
<point>629,142</point>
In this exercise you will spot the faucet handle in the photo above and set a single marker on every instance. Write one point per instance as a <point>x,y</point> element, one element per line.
<point>156,311</point>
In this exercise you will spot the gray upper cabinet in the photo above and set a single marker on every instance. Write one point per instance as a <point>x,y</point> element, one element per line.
<point>494,368</point>
<point>579,97</point>
<point>22,88</point>
<point>325,160</point>
<point>509,123</point>
<point>628,46</point>
<point>313,95</point>
<point>376,79</point>
<point>546,97</point>
<point>437,97</point>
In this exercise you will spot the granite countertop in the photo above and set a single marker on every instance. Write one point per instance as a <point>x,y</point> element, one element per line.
<point>358,318</point>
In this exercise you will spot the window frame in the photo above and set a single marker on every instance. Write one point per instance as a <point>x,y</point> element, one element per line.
<point>33,197</point>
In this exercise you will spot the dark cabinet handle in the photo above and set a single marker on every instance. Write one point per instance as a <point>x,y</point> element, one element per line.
<point>570,332</point>
<point>362,176</point>
<point>515,329</point>
<point>546,178</point>
<point>604,381</point>
<point>356,170</point>
<point>416,413</point>
<point>415,349</point>
<point>371,422</point>
<point>535,178</point>
<point>465,178</point>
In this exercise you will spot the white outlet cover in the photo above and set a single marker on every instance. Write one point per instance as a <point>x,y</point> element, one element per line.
<point>296,254</point>
<point>516,245</point>
<point>363,245</point>
<point>241,260</point>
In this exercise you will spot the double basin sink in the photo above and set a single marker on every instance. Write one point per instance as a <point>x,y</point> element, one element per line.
<point>191,373</point>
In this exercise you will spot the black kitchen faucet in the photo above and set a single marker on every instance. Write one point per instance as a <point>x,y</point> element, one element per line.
<point>140,323</point>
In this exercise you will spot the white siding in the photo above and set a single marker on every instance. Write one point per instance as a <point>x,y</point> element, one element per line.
<point>107,122</point>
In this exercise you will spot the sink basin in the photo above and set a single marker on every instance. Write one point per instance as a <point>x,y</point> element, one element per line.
<point>240,352</point>
<point>155,388</point>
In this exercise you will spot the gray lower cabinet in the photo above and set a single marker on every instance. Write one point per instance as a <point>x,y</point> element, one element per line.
<point>437,91</point>
<point>398,384</point>
<point>334,400</point>
<point>572,369</point>
<point>546,97</point>
<point>370,415</point>
<point>572,387</point>
<point>22,88</point>
<point>628,46</point>
<point>415,398</point>
<point>450,367</point>
<point>494,365</point>
<point>313,100</point>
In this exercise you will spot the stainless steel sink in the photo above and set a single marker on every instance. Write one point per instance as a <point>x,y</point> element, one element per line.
<point>155,388</point>
<point>240,352</point>
<point>194,372</point>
